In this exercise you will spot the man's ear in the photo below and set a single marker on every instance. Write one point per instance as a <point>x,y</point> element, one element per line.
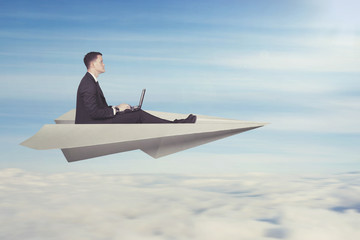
<point>91,64</point>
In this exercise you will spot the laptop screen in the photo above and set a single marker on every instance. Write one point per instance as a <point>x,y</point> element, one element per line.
<point>142,97</point>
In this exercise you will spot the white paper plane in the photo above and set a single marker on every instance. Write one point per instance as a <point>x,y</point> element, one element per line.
<point>83,141</point>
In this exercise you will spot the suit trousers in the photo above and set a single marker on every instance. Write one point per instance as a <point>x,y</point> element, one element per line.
<point>139,116</point>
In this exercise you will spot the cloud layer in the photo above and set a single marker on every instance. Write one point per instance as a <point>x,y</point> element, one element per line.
<point>246,206</point>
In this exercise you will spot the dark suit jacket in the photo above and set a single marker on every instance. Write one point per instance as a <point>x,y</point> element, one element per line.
<point>91,106</point>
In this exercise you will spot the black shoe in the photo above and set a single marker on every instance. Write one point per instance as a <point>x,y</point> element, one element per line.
<point>190,119</point>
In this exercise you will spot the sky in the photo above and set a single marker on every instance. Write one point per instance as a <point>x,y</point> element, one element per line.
<point>293,64</point>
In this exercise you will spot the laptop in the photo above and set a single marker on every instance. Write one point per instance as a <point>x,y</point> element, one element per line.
<point>138,107</point>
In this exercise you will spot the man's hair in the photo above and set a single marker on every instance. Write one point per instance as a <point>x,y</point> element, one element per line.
<point>89,57</point>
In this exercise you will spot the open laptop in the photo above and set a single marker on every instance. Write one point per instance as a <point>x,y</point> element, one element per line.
<point>138,107</point>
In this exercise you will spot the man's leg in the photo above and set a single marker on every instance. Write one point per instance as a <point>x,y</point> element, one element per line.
<point>138,117</point>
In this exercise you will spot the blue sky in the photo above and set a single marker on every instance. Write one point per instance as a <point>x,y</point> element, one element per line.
<point>294,64</point>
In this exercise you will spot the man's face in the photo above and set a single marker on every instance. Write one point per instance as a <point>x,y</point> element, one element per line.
<point>99,66</point>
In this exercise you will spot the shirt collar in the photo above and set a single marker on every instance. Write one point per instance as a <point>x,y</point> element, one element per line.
<point>93,77</point>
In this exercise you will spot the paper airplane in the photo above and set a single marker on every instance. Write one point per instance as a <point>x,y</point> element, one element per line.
<point>83,141</point>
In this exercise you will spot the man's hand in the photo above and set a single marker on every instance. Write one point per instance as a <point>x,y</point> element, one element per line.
<point>123,106</point>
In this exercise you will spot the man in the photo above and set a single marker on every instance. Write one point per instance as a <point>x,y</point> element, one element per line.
<point>91,106</point>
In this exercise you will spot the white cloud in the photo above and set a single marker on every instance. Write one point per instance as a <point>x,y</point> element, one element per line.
<point>293,61</point>
<point>330,122</point>
<point>246,206</point>
<point>341,15</point>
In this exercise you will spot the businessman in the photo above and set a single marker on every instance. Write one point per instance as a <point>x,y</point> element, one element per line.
<point>91,105</point>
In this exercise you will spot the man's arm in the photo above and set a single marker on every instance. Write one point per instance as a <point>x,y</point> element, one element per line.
<point>89,96</point>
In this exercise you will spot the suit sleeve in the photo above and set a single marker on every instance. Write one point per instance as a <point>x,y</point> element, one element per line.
<point>89,98</point>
